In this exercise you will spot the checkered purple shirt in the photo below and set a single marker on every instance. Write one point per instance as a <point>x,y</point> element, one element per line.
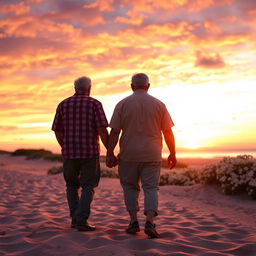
<point>77,118</point>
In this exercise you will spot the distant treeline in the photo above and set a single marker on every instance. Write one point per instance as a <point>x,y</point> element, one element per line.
<point>48,155</point>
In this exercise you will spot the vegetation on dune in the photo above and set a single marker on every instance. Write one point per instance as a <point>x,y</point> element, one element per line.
<point>37,154</point>
<point>234,174</point>
<point>3,152</point>
<point>104,172</point>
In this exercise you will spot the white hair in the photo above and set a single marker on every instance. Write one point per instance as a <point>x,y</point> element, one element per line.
<point>82,83</point>
<point>140,80</point>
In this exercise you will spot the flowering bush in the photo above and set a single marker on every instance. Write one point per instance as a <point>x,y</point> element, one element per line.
<point>234,174</point>
<point>237,174</point>
<point>183,178</point>
<point>251,188</point>
<point>208,174</point>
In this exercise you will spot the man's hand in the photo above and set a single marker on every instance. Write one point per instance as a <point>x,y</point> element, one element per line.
<point>172,161</point>
<point>111,160</point>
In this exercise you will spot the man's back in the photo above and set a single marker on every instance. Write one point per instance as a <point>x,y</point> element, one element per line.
<point>78,118</point>
<point>141,118</point>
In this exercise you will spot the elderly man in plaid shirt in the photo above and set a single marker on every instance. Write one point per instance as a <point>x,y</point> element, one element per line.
<point>78,123</point>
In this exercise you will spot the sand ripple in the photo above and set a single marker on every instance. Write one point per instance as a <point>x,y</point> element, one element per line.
<point>34,221</point>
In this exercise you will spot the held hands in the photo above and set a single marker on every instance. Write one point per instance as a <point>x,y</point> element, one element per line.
<point>172,161</point>
<point>111,160</point>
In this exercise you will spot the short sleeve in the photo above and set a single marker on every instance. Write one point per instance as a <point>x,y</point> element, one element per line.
<point>58,120</point>
<point>167,122</point>
<point>115,122</point>
<point>100,117</point>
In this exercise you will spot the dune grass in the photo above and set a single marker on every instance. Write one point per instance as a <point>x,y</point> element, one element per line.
<point>37,154</point>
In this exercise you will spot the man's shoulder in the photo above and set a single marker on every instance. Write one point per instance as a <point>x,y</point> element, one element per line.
<point>63,102</point>
<point>93,100</point>
<point>155,100</point>
<point>124,100</point>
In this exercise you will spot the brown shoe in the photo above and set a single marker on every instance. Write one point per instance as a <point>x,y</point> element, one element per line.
<point>85,227</point>
<point>133,228</point>
<point>150,230</point>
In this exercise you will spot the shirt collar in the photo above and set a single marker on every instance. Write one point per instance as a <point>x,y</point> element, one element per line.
<point>139,91</point>
<point>80,93</point>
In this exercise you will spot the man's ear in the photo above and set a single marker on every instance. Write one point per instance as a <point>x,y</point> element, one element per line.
<point>132,86</point>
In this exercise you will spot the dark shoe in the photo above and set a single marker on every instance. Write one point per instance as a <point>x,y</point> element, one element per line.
<point>133,228</point>
<point>73,223</point>
<point>85,227</point>
<point>150,230</point>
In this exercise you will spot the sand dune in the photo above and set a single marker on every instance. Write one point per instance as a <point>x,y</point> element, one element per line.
<point>195,220</point>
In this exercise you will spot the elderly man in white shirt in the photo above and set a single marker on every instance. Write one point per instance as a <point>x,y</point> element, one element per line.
<point>142,120</point>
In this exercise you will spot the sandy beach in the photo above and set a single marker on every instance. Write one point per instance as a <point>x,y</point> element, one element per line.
<point>193,220</point>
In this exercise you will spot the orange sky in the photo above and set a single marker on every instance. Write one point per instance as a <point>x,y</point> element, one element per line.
<point>199,55</point>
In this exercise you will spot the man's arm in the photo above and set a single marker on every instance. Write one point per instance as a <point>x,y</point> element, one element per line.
<point>170,142</point>
<point>59,137</point>
<point>113,139</point>
<point>103,132</point>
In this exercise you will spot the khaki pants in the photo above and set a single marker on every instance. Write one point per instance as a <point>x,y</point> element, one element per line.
<point>131,174</point>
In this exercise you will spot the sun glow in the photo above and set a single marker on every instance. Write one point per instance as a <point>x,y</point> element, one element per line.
<point>192,145</point>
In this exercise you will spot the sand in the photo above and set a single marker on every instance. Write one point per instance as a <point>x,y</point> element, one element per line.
<point>194,220</point>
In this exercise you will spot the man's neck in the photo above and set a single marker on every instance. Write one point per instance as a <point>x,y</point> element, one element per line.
<point>86,93</point>
<point>140,91</point>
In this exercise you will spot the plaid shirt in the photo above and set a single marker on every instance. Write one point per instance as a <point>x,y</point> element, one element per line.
<point>77,119</point>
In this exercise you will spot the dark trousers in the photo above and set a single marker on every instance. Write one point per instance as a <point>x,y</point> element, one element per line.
<point>84,173</point>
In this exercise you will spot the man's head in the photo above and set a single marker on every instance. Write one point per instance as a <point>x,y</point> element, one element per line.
<point>83,84</point>
<point>140,81</point>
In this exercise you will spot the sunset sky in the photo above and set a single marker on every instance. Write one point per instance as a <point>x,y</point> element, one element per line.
<point>200,56</point>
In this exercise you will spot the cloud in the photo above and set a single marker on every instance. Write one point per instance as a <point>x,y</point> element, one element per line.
<point>209,61</point>
<point>8,128</point>
<point>102,5</point>
<point>109,40</point>
<point>212,27</point>
<point>16,9</point>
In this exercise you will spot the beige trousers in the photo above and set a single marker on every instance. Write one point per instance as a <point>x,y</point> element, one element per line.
<point>131,175</point>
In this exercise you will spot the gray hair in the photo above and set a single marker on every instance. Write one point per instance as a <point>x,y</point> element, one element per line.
<point>82,83</point>
<point>140,80</point>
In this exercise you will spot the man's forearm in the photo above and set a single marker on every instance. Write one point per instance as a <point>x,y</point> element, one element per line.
<point>113,139</point>
<point>59,137</point>
<point>103,132</point>
<point>170,141</point>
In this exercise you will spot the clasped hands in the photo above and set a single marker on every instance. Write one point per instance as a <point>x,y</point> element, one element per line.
<point>111,160</point>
